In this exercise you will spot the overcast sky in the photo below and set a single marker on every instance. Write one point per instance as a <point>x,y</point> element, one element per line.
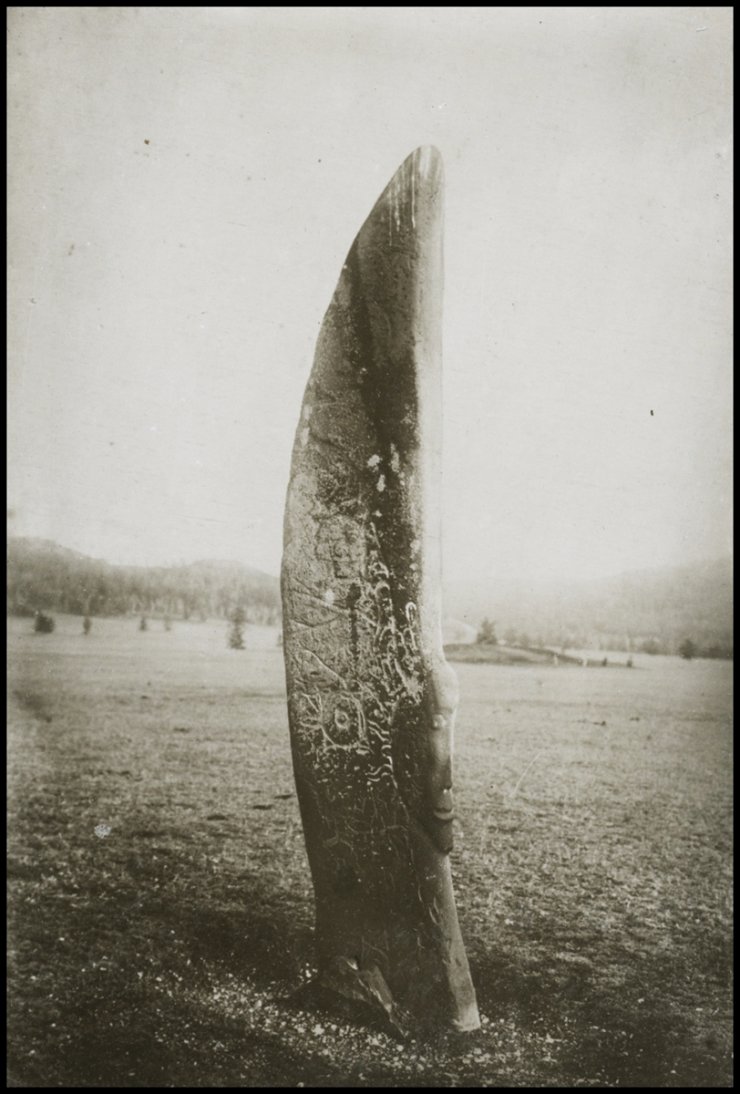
<point>185,184</point>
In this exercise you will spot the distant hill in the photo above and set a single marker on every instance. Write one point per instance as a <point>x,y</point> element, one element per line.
<point>43,575</point>
<point>654,610</point>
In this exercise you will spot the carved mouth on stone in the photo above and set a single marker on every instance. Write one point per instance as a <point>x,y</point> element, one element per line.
<point>444,814</point>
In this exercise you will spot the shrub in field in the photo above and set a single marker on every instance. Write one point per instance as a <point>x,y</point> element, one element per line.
<point>43,623</point>
<point>143,625</point>
<point>236,632</point>
<point>86,624</point>
<point>687,649</point>
<point>487,634</point>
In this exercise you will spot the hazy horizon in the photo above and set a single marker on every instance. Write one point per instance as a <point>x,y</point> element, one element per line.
<point>183,189</point>
<point>531,579</point>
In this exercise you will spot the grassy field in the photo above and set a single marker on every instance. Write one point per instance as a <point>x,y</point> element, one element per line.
<point>161,906</point>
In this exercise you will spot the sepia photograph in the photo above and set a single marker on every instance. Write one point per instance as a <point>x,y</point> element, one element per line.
<point>369,547</point>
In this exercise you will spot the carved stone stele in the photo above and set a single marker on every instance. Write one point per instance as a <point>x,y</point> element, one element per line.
<point>371,698</point>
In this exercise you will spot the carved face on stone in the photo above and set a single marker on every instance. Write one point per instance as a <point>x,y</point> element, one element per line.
<point>437,801</point>
<point>341,545</point>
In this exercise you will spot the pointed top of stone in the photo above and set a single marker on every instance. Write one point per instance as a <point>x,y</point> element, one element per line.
<point>413,193</point>
<point>426,159</point>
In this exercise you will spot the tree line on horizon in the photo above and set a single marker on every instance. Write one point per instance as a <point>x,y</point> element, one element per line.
<point>652,611</point>
<point>44,577</point>
<point>48,578</point>
<point>686,647</point>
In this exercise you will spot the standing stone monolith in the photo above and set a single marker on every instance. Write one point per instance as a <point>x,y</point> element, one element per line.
<point>371,698</point>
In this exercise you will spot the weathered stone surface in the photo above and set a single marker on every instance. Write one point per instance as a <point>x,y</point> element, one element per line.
<point>371,698</point>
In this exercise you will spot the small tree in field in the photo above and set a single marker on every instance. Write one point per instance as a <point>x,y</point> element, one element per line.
<point>487,634</point>
<point>143,625</point>
<point>236,632</point>
<point>43,623</point>
<point>86,624</point>
<point>687,649</point>
<point>167,623</point>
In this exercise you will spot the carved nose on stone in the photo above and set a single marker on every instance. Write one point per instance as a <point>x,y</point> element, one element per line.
<point>444,809</point>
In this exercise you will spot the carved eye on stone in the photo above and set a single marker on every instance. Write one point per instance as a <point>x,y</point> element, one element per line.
<point>346,727</point>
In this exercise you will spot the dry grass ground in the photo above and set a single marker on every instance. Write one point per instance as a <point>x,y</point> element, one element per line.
<point>165,948</point>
